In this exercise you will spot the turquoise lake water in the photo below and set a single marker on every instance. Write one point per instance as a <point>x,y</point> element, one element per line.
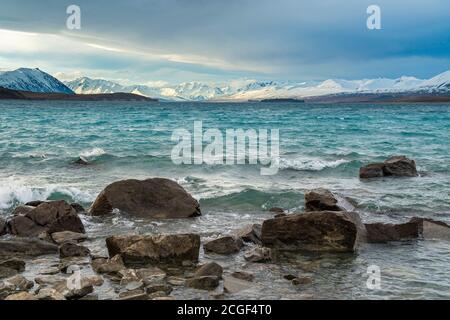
<point>320,146</point>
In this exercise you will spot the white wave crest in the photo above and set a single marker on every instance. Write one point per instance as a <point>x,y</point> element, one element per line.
<point>94,152</point>
<point>310,164</point>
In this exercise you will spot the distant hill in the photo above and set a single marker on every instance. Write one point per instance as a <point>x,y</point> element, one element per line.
<point>27,95</point>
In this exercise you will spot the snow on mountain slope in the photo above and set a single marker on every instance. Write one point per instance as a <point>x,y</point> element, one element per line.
<point>244,90</point>
<point>33,80</point>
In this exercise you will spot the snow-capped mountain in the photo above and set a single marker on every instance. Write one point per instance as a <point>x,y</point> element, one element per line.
<point>33,80</point>
<point>244,90</point>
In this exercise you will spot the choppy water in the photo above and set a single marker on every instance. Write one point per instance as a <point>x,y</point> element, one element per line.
<point>321,146</point>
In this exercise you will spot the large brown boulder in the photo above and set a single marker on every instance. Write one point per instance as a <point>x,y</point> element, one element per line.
<point>158,249</point>
<point>224,245</point>
<point>324,200</point>
<point>385,232</point>
<point>48,217</point>
<point>152,198</point>
<point>314,231</point>
<point>397,166</point>
<point>26,247</point>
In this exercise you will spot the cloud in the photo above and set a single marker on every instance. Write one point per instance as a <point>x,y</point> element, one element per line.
<point>285,39</point>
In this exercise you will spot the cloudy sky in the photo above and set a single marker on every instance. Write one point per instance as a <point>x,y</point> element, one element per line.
<point>158,41</point>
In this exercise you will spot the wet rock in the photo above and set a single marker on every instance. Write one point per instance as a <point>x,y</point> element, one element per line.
<point>49,294</point>
<point>3,229</point>
<point>159,288</point>
<point>250,233</point>
<point>22,210</point>
<point>70,249</point>
<point>158,296</point>
<point>48,217</point>
<point>134,285</point>
<point>152,198</point>
<point>68,236</point>
<point>82,161</point>
<point>314,231</point>
<point>324,200</point>
<point>151,275</point>
<point>21,296</point>
<point>241,275</point>
<point>280,215</point>
<point>78,208</point>
<point>108,266</point>
<point>72,289</point>
<point>34,203</point>
<point>289,277</point>
<point>432,229</point>
<point>15,264</point>
<point>234,285</point>
<point>259,254</point>
<point>20,283</point>
<point>159,249</point>
<point>162,298</point>
<point>397,166</point>
<point>203,283</point>
<point>224,245</point>
<point>276,210</point>
<point>7,272</point>
<point>301,281</point>
<point>209,269</point>
<point>134,295</point>
<point>176,281</point>
<point>26,247</point>
<point>385,232</point>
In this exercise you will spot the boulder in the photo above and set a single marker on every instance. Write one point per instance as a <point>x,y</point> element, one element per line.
<point>26,247</point>
<point>20,283</point>
<point>385,232</point>
<point>432,229</point>
<point>159,288</point>
<point>34,203</point>
<point>70,249</point>
<point>48,217</point>
<point>209,269</point>
<point>78,207</point>
<point>203,283</point>
<point>324,200</point>
<point>67,236</point>
<point>396,166</point>
<point>49,294</point>
<point>224,245</point>
<point>250,233</point>
<point>158,249</point>
<point>259,254</point>
<point>3,225</point>
<point>108,266</point>
<point>14,264</point>
<point>152,198</point>
<point>314,231</point>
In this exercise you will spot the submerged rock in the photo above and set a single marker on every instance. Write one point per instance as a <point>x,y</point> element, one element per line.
<point>385,232</point>
<point>152,198</point>
<point>234,285</point>
<point>82,161</point>
<point>432,229</point>
<point>314,231</point>
<point>259,254</point>
<point>47,217</point>
<point>224,245</point>
<point>324,200</point>
<point>396,166</point>
<point>159,249</point>
<point>243,276</point>
<point>26,247</point>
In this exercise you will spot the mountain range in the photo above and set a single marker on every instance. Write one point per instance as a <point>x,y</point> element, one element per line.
<point>35,80</point>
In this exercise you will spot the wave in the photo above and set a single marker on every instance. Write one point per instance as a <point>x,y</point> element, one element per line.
<point>93,153</point>
<point>310,164</point>
<point>12,195</point>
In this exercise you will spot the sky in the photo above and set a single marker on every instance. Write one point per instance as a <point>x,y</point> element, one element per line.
<point>157,42</point>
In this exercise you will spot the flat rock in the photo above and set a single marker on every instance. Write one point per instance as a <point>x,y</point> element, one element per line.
<point>21,296</point>
<point>258,254</point>
<point>152,198</point>
<point>108,266</point>
<point>224,245</point>
<point>49,294</point>
<point>68,236</point>
<point>234,285</point>
<point>203,283</point>
<point>158,249</point>
<point>432,229</point>
<point>26,247</point>
<point>241,275</point>
<point>330,231</point>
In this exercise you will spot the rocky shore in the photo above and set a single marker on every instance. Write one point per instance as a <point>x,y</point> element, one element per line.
<point>152,266</point>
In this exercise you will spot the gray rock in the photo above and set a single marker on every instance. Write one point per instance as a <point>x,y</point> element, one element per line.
<point>259,254</point>
<point>26,247</point>
<point>250,233</point>
<point>241,275</point>
<point>385,232</point>
<point>203,283</point>
<point>209,269</point>
<point>224,245</point>
<point>69,249</point>
<point>234,285</point>
<point>152,198</point>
